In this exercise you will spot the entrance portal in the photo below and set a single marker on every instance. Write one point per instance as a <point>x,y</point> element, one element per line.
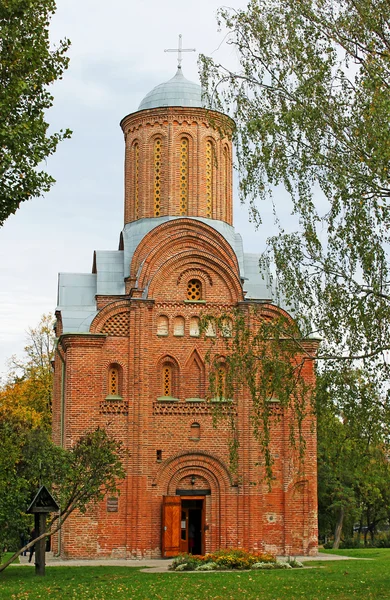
<point>192,526</point>
<point>183,525</point>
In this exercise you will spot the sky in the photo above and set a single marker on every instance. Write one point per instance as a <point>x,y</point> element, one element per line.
<point>116,57</point>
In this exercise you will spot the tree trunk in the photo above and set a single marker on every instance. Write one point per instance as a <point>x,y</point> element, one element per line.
<point>338,529</point>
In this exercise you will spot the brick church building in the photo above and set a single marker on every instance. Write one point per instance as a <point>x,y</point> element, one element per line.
<point>131,357</point>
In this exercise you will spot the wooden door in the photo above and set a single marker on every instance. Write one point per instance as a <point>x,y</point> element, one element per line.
<point>184,530</point>
<point>171,531</point>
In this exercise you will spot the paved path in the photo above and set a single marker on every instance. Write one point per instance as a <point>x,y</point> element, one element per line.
<point>152,565</point>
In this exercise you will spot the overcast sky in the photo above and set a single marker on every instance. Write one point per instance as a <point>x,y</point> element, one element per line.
<point>117,56</point>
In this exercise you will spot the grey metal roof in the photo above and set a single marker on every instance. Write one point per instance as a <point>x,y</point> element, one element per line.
<point>257,284</point>
<point>109,269</point>
<point>178,91</point>
<point>76,301</point>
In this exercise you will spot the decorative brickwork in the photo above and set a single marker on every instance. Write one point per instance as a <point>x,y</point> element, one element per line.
<point>192,408</point>
<point>114,407</point>
<point>118,325</point>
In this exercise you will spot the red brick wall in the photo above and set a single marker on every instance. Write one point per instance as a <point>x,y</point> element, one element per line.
<point>241,510</point>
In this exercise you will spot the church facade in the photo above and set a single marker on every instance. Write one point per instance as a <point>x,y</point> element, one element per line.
<point>131,356</point>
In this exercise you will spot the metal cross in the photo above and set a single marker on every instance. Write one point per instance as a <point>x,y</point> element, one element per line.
<point>179,51</point>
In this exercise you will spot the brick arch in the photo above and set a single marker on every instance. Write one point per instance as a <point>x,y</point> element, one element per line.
<point>114,315</point>
<point>199,261</point>
<point>183,232</point>
<point>213,475</point>
<point>192,273</point>
<point>182,463</point>
<point>270,311</point>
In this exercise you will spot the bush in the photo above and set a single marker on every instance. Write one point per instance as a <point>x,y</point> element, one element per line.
<point>294,563</point>
<point>383,542</point>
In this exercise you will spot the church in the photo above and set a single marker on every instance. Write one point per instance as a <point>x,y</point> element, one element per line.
<point>131,356</point>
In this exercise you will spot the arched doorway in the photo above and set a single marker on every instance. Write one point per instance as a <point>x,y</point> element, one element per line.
<point>192,510</point>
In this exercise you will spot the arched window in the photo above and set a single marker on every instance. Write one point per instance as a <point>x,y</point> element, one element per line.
<point>178,326</point>
<point>194,326</point>
<point>209,178</point>
<point>194,290</point>
<point>168,373</point>
<point>114,383</point>
<point>162,325</point>
<point>136,179</point>
<point>183,176</point>
<point>157,176</point>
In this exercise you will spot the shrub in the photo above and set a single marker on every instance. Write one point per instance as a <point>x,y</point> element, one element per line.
<point>211,566</point>
<point>294,563</point>
<point>185,562</point>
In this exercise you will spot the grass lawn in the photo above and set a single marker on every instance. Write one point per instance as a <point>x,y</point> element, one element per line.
<point>343,580</point>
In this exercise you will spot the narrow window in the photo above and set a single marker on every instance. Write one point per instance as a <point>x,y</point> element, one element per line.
<point>158,455</point>
<point>194,327</point>
<point>167,380</point>
<point>178,326</point>
<point>112,504</point>
<point>221,381</point>
<point>113,382</point>
<point>157,177</point>
<point>194,290</point>
<point>227,327</point>
<point>162,325</point>
<point>195,431</point>
<point>210,330</point>
<point>209,179</point>
<point>225,179</point>
<point>136,180</point>
<point>183,176</point>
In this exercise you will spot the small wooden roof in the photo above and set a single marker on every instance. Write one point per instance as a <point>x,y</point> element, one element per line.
<point>43,502</point>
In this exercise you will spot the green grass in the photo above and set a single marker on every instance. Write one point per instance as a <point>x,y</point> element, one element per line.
<point>343,580</point>
<point>4,557</point>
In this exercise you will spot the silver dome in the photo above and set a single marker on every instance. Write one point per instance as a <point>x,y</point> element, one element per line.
<point>178,91</point>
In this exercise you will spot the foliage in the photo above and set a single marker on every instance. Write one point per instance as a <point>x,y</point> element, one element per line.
<point>78,477</point>
<point>264,354</point>
<point>27,67</point>
<point>27,458</point>
<point>353,466</point>
<point>225,559</point>
<point>26,395</point>
<point>310,99</point>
